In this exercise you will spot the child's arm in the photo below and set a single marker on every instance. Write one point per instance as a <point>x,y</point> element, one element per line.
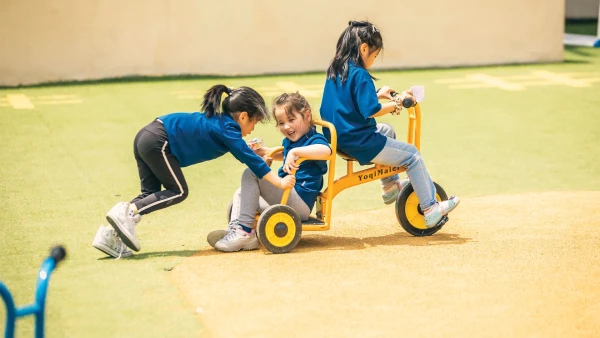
<point>389,107</point>
<point>313,151</point>
<point>283,183</point>
<point>263,151</point>
<point>386,108</point>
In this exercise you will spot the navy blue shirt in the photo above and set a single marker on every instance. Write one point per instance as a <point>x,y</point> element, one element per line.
<point>348,106</point>
<point>195,138</point>
<point>309,177</point>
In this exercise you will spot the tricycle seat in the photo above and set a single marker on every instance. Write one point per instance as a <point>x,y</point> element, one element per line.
<point>345,156</point>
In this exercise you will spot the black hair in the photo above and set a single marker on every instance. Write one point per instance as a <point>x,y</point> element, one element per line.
<point>292,102</point>
<point>348,45</point>
<point>237,100</point>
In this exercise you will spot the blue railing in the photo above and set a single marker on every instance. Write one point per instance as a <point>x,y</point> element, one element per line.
<point>12,313</point>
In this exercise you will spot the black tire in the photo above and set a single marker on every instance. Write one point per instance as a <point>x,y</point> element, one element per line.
<point>417,226</point>
<point>279,228</point>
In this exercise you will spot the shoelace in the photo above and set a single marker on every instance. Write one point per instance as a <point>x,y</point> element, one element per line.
<point>121,250</point>
<point>232,224</point>
<point>230,235</point>
<point>132,229</point>
<point>121,246</point>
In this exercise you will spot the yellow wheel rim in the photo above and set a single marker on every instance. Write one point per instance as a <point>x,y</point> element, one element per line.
<point>411,209</point>
<point>280,217</point>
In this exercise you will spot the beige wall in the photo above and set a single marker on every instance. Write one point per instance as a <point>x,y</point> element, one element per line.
<point>56,40</point>
<point>582,9</point>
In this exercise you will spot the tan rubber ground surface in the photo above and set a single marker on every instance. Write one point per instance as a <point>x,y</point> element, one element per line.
<point>504,266</point>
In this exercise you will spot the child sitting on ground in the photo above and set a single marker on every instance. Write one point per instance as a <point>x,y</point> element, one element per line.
<point>293,117</point>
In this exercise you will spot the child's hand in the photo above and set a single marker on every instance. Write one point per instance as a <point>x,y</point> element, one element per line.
<point>262,151</point>
<point>287,182</point>
<point>399,98</point>
<point>268,160</point>
<point>403,95</point>
<point>290,162</point>
<point>385,92</point>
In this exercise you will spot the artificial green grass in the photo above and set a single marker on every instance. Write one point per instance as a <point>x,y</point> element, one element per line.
<point>64,166</point>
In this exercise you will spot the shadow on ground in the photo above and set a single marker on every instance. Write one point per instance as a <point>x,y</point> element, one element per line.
<point>311,243</point>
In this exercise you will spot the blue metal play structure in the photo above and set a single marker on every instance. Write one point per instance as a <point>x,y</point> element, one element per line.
<point>37,308</point>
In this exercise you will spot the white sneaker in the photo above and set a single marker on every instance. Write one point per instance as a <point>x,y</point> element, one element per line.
<point>107,241</point>
<point>123,222</point>
<point>216,235</point>
<point>238,239</point>
<point>439,210</point>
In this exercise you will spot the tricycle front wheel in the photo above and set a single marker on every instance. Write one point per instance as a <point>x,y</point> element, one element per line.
<point>279,228</point>
<point>409,213</point>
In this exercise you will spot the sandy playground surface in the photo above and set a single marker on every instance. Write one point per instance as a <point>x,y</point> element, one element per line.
<point>504,266</point>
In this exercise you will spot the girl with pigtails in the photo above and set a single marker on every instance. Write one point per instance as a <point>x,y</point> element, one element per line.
<point>178,140</point>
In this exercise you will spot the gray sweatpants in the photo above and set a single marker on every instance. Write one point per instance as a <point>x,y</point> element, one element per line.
<point>256,195</point>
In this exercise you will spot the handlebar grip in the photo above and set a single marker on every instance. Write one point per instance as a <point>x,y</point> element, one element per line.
<point>407,102</point>
<point>58,253</point>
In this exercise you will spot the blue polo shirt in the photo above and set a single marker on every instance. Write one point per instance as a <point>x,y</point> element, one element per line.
<point>309,177</point>
<point>348,106</point>
<point>195,138</point>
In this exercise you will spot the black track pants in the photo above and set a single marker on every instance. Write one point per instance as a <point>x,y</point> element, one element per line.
<point>157,167</point>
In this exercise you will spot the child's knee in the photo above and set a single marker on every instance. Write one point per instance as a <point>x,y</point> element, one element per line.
<point>183,195</point>
<point>415,158</point>
<point>248,174</point>
<point>413,150</point>
<point>386,130</point>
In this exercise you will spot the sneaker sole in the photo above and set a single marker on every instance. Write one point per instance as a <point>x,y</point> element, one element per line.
<point>242,249</point>
<point>110,252</point>
<point>390,201</point>
<point>135,246</point>
<point>215,236</point>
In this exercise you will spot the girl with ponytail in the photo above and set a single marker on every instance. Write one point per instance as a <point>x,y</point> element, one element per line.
<point>178,140</point>
<point>351,103</point>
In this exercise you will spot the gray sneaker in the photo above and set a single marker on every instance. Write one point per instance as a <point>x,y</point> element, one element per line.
<point>238,239</point>
<point>390,196</point>
<point>107,241</point>
<point>124,225</point>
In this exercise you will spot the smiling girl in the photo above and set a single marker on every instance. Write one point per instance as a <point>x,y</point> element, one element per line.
<point>293,116</point>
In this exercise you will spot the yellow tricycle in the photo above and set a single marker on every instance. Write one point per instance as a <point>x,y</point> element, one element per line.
<point>279,227</point>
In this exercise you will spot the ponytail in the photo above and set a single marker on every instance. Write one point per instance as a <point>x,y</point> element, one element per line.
<point>237,100</point>
<point>211,104</point>
<point>348,45</point>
